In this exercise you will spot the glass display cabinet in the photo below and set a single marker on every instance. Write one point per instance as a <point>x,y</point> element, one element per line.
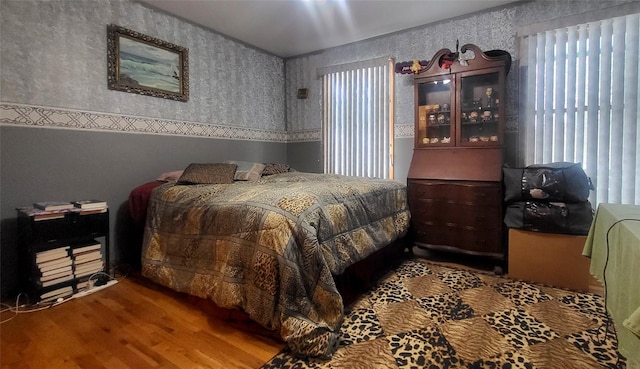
<point>454,181</point>
<point>461,109</point>
<point>434,113</point>
<point>480,119</point>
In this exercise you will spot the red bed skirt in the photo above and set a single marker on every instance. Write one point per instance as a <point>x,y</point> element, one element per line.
<point>139,201</point>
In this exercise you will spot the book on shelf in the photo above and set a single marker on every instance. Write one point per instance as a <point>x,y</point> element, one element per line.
<point>86,252</point>
<point>82,284</point>
<point>87,273</point>
<point>86,246</point>
<point>90,204</point>
<point>90,211</point>
<point>55,264</point>
<point>53,205</point>
<point>57,250</point>
<point>55,294</point>
<point>90,265</point>
<point>52,254</point>
<point>51,282</point>
<point>67,273</point>
<point>48,272</point>
<point>88,269</point>
<point>87,257</point>
<point>38,214</point>
<point>48,216</point>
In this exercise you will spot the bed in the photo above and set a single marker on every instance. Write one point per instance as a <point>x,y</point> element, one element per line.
<point>276,248</point>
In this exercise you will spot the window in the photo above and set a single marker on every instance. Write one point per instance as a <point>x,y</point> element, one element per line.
<point>580,103</point>
<point>358,118</point>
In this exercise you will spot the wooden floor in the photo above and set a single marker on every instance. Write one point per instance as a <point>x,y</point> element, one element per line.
<point>139,324</point>
<point>134,324</point>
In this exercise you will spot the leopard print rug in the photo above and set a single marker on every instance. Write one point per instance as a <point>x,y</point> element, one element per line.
<point>424,315</point>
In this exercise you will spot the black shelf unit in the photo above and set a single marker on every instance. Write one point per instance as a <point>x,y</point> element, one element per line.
<point>73,229</point>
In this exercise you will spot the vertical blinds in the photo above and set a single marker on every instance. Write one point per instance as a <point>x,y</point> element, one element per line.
<point>582,104</point>
<point>358,120</point>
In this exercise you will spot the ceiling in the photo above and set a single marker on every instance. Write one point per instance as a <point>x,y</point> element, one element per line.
<point>294,27</point>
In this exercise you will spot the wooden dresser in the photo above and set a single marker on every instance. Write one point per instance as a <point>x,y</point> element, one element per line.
<point>458,215</point>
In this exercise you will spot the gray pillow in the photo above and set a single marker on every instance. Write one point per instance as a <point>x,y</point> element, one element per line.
<point>210,173</point>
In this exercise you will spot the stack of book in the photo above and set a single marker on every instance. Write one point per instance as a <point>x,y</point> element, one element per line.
<point>55,294</point>
<point>85,207</point>
<point>87,259</point>
<point>55,266</point>
<point>45,210</point>
<point>53,205</point>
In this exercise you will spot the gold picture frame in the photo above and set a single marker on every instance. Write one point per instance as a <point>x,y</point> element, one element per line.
<point>145,65</point>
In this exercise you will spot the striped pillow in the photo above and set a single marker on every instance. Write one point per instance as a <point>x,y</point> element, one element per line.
<point>246,170</point>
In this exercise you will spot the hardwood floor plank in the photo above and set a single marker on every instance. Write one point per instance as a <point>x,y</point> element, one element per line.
<point>134,324</point>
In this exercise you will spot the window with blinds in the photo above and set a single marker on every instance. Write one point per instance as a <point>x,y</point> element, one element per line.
<point>581,103</point>
<point>358,118</point>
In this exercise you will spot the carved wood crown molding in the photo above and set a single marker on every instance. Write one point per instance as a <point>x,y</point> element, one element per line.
<point>446,61</point>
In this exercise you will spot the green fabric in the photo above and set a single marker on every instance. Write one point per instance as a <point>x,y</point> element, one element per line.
<point>622,276</point>
<point>633,322</point>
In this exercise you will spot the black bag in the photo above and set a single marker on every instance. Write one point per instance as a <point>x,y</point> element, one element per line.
<point>561,181</point>
<point>550,217</point>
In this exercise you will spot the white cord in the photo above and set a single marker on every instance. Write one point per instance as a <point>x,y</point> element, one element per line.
<point>27,308</point>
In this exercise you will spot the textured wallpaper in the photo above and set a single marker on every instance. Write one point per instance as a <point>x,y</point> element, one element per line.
<point>53,58</point>
<point>496,29</point>
<point>53,54</point>
<point>492,30</point>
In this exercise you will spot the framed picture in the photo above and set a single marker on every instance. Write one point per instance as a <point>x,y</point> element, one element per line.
<point>145,65</point>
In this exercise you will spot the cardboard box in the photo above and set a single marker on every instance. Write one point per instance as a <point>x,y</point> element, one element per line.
<point>551,259</point>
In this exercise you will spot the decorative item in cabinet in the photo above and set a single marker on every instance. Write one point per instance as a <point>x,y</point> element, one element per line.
<point>480,109</point>
<point>434,114</point>
<point>454,179</point>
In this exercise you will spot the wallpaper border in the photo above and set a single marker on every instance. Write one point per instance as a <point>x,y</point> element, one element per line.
<point>50,117</point>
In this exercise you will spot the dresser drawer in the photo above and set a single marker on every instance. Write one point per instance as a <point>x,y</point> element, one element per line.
<point>467,239</point>
<point>456,191</point>
<point>460,216</point>
<point>443,212</point>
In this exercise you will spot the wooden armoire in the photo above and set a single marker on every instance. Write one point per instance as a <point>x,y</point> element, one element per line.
<point>455,178</point>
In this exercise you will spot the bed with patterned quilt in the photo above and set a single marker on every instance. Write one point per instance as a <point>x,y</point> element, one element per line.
<point>272,246</point>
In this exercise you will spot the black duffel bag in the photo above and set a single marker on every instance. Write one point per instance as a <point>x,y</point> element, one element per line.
<point>550,217</point>
<point>561,181</point>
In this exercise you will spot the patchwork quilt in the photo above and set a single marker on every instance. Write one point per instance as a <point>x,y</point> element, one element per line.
<point>271,247</point>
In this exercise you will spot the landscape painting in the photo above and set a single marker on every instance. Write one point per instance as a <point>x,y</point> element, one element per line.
<point>145,65</point>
